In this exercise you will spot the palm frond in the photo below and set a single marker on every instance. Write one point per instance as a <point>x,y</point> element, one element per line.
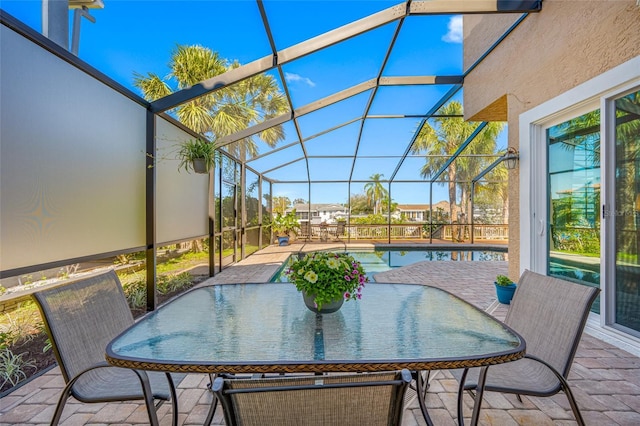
<point>195,116</point>
<point>152,86</point>
<point>224,111</point>
<point>192,64</point>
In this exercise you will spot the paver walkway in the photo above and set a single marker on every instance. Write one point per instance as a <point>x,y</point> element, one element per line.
<point>605,379</point>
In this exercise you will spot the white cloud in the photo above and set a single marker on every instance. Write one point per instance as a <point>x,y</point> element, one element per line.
<point>290,77</point>
<point>455,30</point>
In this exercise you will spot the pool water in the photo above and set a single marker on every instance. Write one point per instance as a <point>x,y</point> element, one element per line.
<point>375,261</point>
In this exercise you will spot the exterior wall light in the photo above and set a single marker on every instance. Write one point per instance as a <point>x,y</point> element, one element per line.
<point>511,158</point>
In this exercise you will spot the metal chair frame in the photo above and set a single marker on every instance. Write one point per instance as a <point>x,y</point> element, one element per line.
<point>225,392</point>
<point>96,381</point>
<point>535,329</point>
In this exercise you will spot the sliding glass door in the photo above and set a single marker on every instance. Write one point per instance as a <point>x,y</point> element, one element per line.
<point>580,194</point>
<point>573,152</point>
<point>576,175</point>
<point>626,303</point>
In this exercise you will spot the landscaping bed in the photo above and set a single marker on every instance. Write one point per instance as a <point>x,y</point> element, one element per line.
<point>24,345</point>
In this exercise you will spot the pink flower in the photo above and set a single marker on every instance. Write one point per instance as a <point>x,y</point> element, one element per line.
<point>347,295</point>
<point>347,278</point>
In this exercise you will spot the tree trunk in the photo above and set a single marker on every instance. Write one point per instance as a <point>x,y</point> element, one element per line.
<point>196,246</point>
<point>505,210</point>
<point>452,193</point>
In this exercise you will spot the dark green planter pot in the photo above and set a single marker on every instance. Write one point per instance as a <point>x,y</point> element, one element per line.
<point>199,166</point>
<point>327,308</point>
<point>505,293</point>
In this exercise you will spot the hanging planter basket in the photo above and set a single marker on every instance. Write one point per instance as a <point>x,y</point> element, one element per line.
<point>200,166</point>
<point>197,155</point>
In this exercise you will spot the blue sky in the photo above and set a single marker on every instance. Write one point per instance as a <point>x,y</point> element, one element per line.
<point>138,36</point>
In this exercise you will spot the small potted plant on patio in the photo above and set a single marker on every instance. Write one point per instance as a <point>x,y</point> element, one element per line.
<point>284,225</point>
<point>505,288</point>
<point>327,279</point>
<point>198,155</point>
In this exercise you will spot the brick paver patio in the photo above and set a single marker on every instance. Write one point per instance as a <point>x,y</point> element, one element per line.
<point>605,379</point>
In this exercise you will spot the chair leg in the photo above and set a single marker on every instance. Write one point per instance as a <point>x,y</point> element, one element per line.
<point>66,393</point>
<point>148,397</point>
<point>482,377</point>
<point>572,402</point>
<point>426,382</point>
<point>146,391</point>
<point>174,400</point>
<point>421,390</point>
<point>212,411</point>
<point>565,387</point>
<point>461,395</point>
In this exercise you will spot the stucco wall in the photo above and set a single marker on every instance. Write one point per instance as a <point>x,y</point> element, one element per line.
<point>550,52</point>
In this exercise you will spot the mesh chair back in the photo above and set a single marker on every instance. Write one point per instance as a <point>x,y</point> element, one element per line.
<point>305,229</point>
<point>82,318</point>
<point>363,399</point>
<point>550,314</point>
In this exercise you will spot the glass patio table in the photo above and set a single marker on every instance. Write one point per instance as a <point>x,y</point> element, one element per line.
<point>266,328</point>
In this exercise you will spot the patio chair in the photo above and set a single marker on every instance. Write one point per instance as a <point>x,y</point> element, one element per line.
<point>550,314</point>
<point>305,231</point>
<point>81,318</point>
<point>351,399</point>
<point>339,230</point>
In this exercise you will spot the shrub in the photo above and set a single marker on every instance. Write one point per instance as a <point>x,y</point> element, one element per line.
<point>135,289</point>
<point>170,283</point>
<point>20,325</point>
<point>12,367</point>
<point>503,280</point>
<point>136,293</point>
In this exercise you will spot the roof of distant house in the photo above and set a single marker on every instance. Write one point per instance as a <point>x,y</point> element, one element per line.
<point>317,207</point>
<point>420,207</point>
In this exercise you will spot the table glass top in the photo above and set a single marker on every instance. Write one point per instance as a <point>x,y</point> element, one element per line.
<point>269,323</point>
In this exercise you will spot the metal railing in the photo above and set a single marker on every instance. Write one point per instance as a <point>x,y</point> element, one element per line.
<point>413,231</point>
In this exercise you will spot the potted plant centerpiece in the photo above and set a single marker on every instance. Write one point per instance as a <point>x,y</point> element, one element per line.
<point>505,288</point>
<point>327,279</point>
<point>284,225</point>
<point>198,155</point>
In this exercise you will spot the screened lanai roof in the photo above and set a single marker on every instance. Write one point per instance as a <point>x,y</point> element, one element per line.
<point>360,78</point>
<point>368,85</point>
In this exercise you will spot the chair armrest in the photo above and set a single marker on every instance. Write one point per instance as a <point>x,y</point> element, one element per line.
<point>101,364</point>
<point>549,366</point>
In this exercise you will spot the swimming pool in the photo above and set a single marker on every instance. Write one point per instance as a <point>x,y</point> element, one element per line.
<point>380,260</point>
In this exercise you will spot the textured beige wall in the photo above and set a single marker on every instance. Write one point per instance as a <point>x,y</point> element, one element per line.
<point>550,52</point>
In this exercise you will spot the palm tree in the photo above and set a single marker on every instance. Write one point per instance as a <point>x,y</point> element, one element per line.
<point>441,141</point>
<point>222,112</point>
<point>493,190</point>
<point>359,204</point>
<point>375,191</point>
